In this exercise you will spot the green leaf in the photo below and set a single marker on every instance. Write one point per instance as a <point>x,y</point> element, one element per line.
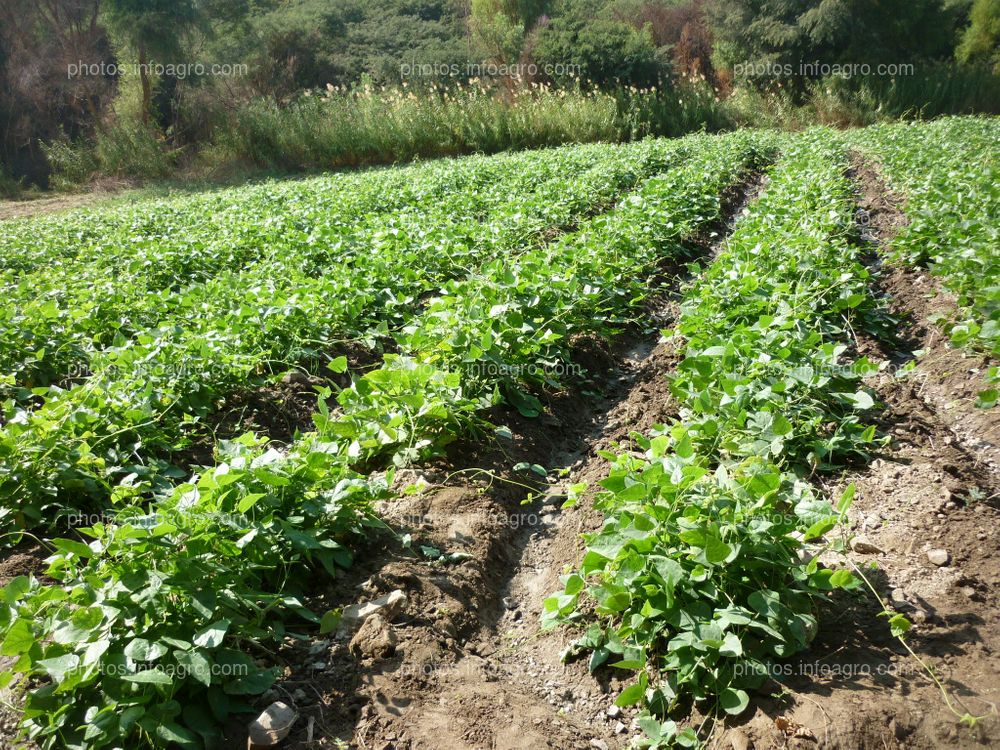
<point>843,579</point>
<point>731,645</point>
<point>59,667</point>
<point>154,676</point>
<point>213,635</point>
<point>73,547</point>
<point>631,695</point>
<point>899,625</point>
<point>140,649</point>
<point>846,498</point>
<point>716,550</point>
<point>734,701</point>
<point>195,664</point>
<point>19,639</point>
<point>861,400</point>
<point>330,621</point>
<point>248,501</point>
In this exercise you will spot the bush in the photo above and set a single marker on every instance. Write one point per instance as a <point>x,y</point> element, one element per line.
<point>602,52</point>
<point>9,186</point>
<point>932,92</point>
<point>368,126</point>
<point>121,149</point>
<point>130,149</point>
<point>72,163</point>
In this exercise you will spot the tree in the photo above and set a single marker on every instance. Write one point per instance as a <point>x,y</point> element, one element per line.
<point>604,51</point>
<point>43,93</point>
<point>499,26</point>
<point>155,29</point>
<point>775,37</point>
<point>981,40</point>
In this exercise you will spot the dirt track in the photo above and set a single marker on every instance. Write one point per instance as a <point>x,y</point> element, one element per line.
<point>471,668</point>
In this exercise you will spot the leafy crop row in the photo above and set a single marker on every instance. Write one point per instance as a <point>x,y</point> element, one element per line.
<point>217,228</point>
<point>141,277</point>
<point>705,569</point>
<point>949,174</point>
<point>152,631</point>
<point>122,422</point>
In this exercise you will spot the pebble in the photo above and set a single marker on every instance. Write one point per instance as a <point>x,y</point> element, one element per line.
<point>862,545</point>
<point>272,726</point>
<point>898,599</point>
<point>614,711</point>
<point>598,744</point>
<point>939,557</point>
<point>619,728</point>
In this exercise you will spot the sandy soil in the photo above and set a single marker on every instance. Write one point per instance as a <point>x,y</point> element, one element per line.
<point>463,665</point>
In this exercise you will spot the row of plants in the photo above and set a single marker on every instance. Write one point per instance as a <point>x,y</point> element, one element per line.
<point>706,569</point>
<point>949,175</point>
<point>216,219</point>
<point>147,397</point>
<point>159,621</point>
<point>138,279</point>
<point>506,328</point>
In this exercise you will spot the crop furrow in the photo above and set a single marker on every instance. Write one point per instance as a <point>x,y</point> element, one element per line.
<point>705,569</point>
<point>218,564</point>
<point>60,320</point>
<point>145,395</point>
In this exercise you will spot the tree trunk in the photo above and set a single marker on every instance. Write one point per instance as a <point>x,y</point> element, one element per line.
<point>147,89</point>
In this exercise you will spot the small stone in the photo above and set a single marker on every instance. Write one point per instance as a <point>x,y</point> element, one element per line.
<point>388,606</point>
<point>375,639</point>
<point>598,744</point>
<point>619,728</point>
<point>295,376</point>
<point>272,726</point>
<point>738,740</point>
<point>614,712</point>
<point>898,599</point>
<point>969,591</point>
<point>939,557</point>
<point>863,546</point>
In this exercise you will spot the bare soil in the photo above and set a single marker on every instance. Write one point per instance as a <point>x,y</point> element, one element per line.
<point>464,664</point>
<point>21,209</point>
<point>469,667</point>
<point>936,486</point>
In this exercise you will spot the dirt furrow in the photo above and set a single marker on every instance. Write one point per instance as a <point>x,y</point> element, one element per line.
<point>462,663</point>
<point>926,520</point>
